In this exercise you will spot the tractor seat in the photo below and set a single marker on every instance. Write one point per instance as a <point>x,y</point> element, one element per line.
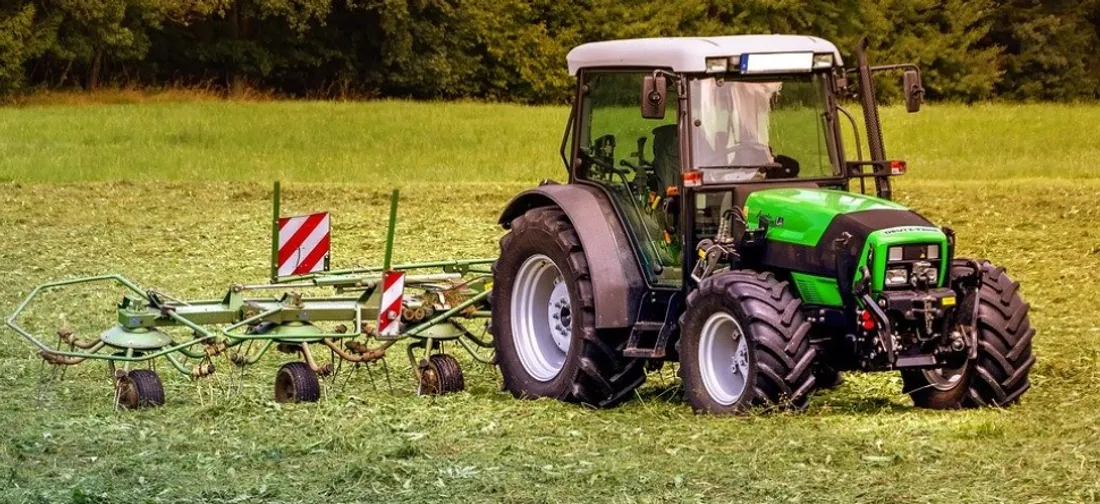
<point>666,155</point>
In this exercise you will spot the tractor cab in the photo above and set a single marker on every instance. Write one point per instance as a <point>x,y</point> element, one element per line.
<point>719,118</point>
<point>717,214</point>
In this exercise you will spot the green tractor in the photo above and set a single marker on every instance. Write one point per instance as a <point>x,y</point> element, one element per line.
<point>733,233</point>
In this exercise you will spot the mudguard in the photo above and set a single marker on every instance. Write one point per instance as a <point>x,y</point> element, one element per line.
<point>616,277</point>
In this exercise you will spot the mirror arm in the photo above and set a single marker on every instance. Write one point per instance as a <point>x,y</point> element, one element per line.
<point>897,66</point>
<point>884,68</point>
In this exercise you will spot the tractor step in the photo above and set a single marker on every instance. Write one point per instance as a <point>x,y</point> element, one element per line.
<point>911,361</point>
<point>649,338</point>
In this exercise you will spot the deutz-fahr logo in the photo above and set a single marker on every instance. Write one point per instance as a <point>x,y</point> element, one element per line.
<point>907,229</point>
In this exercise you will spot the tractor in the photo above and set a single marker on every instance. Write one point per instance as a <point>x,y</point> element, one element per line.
<point>717,215</point>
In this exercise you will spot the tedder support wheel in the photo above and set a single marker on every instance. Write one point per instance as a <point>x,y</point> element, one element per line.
<point>744,343</point>
<point>440,374</point>
<point>140,388</point>
<point>544,323</point>
<point>296,382</point>
<point>999,376</point>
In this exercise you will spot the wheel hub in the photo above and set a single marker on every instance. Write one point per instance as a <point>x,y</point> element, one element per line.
<point>740,365</point>
<point>561,320</point>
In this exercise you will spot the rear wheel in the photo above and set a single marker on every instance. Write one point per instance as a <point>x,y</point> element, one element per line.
<point>743,344</point>
<point>544,323</point>
<point>999,376</point>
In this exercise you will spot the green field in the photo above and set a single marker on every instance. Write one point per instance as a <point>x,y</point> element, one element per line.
<point>176,196</point>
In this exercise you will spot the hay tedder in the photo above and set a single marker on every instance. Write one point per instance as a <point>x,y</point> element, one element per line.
<point>357,315</point>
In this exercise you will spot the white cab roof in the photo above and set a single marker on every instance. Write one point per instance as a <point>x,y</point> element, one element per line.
<point>688,54</point>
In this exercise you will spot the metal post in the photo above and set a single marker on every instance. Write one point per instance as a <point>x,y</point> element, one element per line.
<point>390,232</point>
<point>275,233</point>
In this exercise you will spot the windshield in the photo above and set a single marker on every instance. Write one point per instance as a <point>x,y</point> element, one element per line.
<point>759,129</point>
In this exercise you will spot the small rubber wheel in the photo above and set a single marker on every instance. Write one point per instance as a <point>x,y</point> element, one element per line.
<point>440,374</point>
<point>140,388</point>
<point>296,382</point>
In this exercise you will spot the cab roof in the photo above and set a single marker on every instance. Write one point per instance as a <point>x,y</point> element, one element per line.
<point>688,54</point>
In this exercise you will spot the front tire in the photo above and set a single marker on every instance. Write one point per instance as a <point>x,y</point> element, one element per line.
<point>744,344</point>
<point>999,376</point>
<point>544,322</point>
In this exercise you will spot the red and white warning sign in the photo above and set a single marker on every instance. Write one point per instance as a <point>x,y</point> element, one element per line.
<point>303,244</point>
<point>393,289</point>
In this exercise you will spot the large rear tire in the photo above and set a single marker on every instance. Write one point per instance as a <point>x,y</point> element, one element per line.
<point>544,322</point>
<point>744,343</point>
<point>999,376</point>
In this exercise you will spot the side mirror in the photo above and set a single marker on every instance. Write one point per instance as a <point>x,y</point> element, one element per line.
<point>654,93</point>
<point>914,92</point>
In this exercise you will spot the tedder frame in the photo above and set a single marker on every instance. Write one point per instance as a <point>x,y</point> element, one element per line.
<point>436,302</point>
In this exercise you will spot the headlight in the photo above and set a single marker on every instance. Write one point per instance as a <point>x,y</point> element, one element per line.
<point>933,252</point>
<point>895,254</point>
<point>823,60</point>
<point>897,276</point>
<point>923,270</point>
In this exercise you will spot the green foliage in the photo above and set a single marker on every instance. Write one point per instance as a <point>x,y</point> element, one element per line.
<point>514,50</point>
<point>15,44</point>
<point>1051,49</point>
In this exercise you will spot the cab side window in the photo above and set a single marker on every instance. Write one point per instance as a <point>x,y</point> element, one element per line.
<point>638,161</point>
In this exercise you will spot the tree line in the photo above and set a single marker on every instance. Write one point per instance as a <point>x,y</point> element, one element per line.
<point>514,50</point>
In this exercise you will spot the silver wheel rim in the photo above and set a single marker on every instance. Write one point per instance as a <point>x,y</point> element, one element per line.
<point>723,358</point>
<point>944,378</point>
<point>541,310</point>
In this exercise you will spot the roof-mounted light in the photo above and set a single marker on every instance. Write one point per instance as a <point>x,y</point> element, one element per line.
<point>823,61</point>
<point>718,65</point>
<point>777,62</point>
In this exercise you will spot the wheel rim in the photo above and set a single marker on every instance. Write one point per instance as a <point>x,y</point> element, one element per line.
<point>429,379</point>
<point>127,393</point>
<point>723,358</point>
<point>284,387</point>
<point>945,378</point>
<point>541,317</point>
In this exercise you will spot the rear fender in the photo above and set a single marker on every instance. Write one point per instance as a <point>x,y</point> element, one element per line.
<point>616,277</point>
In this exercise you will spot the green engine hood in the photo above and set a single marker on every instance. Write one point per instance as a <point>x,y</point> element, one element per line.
<point>801,216</point>
<point>804,227</point>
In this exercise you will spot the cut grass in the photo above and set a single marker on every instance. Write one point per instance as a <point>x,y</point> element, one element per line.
<point>861,443</point>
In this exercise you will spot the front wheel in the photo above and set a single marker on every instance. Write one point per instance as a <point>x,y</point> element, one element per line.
<point>999,376</point>
<point>743,344</point>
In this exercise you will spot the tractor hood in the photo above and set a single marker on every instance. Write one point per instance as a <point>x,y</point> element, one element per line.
<point>805,227</point>
<point>802,216</point>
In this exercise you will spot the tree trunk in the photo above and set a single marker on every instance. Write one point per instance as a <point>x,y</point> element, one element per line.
<point>93,72</point>
<point>238,28</point>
